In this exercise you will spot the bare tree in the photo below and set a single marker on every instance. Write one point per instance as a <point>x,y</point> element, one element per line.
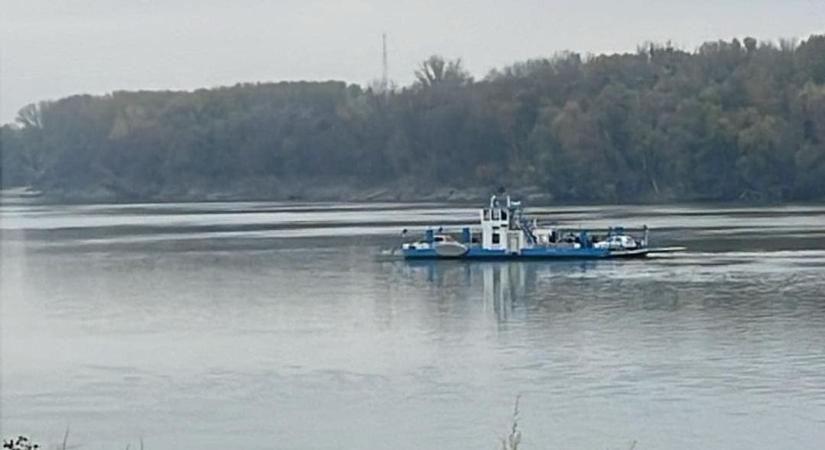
<point>435,70</point>
<point>30,116</point>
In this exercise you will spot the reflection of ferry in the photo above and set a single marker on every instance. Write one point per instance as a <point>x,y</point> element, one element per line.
<point>503,287</point>
<point>506,233</point>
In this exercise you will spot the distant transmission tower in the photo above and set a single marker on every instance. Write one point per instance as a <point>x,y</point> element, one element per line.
<point>385,80</point>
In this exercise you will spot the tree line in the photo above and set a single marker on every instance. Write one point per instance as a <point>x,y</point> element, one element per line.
<point>732,120</point>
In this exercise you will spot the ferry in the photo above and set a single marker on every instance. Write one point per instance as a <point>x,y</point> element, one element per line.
<point>505,232</point>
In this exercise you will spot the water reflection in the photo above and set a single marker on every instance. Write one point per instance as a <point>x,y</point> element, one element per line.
<point>501,288</point>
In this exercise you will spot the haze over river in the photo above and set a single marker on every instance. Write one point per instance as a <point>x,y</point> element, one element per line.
<point>272,325</point>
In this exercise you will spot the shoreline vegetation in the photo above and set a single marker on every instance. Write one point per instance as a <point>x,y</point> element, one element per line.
<point>510,441</point>
<point>731,121</point>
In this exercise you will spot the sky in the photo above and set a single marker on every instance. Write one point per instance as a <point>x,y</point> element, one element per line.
<point>54,48</point>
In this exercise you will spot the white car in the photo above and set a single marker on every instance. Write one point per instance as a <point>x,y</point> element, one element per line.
<point>617,242</point>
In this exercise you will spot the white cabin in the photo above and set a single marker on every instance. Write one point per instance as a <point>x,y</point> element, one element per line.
<point>500,228</point>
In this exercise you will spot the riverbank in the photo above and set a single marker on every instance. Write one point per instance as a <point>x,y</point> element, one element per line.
<point>340,189</point>
<point>347,190</point>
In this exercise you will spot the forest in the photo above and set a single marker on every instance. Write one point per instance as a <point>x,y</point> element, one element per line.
<point>728,121</point>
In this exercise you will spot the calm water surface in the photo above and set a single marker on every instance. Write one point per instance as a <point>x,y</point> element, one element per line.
<point>271,325</point>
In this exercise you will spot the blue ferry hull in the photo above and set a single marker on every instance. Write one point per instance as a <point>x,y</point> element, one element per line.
<point>477,253</point>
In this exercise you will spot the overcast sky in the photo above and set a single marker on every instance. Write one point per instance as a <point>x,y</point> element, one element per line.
<point>53,48</point>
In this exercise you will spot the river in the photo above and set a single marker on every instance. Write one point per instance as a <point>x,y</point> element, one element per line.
<point>272,325</point>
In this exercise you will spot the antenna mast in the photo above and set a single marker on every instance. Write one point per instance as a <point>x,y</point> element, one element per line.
<point>385,70</point>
